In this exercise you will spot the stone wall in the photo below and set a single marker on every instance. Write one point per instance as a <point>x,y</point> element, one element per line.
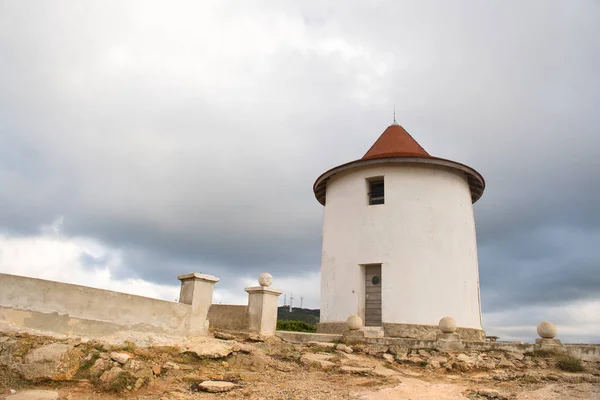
<point>409,331</point>
<point>228,317</point>
<point>429,332</point>
<point>79,310</point>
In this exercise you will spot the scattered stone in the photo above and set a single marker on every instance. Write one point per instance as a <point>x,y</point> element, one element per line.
<point>380,370</point>
<point>216,386</point>
<point>344,348</point>
<point>121,358</point>
<point>208,348</point>
<point>34,395</point>
<point>424,353</point>
<point>322,360</point>
<point>388,357</point>
<point>398,350</point>
<point>56,361</point>
<point>255,337</point>
<point>321,344</point>
<point>171,365</point>
<point>505,364</point>
<point>99,366</point>
<point>156,370</point>
<point>376,349</point>
<point>111,374</point>
<point>225,364</point>
<point>356,370</point>
<point>138,384</point>
<point>224,336</point>
<point>492,394</point>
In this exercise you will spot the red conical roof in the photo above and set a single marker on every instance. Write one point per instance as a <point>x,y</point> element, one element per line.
<point>395,142</point>
<point>395,146</point>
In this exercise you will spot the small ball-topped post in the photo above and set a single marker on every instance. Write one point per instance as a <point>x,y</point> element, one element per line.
<point>547,332</point>
<point>262,306</point>
<point>448,339</point>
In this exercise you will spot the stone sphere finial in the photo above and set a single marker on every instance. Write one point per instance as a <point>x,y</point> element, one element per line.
<point>546,330</point>
<point>354,322</point>
<point>447,325</point>
<point>265,279</point>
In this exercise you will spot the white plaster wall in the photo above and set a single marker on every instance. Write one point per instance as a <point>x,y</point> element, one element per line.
<point>87,308</point>
<point>424,237</point>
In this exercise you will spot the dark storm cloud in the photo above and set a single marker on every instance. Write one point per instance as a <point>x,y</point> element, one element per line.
<point>189,136</point>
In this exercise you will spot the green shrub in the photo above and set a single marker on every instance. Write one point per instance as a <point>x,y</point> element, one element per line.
<point>295,326</point>
<point>569,363</point>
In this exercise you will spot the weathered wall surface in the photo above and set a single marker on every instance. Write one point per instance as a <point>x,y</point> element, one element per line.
<point>424,237</point>
<point>80,310</point>
<point>230,317</point>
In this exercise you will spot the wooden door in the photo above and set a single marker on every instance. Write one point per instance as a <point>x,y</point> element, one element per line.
<point>373,295</point>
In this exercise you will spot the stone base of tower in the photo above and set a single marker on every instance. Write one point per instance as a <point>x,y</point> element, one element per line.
<point>409,331</point>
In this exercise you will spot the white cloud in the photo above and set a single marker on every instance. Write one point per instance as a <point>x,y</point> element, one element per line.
<point>576,321</point>
<point>52,256</point>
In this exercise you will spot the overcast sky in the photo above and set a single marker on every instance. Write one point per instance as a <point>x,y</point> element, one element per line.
<point>143,140</point>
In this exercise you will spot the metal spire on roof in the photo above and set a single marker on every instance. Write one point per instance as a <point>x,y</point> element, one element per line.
<point>395,123</point>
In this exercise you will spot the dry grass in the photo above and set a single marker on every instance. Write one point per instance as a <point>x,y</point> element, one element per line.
<point>569,363</point>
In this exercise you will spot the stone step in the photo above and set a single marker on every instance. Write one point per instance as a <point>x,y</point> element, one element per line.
<point>373,331</point>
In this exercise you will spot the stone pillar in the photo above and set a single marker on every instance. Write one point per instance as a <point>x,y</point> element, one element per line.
<point>262,306</point>
<point>197,291</point>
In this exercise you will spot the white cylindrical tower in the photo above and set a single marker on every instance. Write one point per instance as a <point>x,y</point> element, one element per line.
<point>399,245</point>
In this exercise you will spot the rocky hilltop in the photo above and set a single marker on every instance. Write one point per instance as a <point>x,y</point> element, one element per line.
<point>226,366</point>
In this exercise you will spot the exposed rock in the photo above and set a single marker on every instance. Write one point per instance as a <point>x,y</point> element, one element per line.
<point>138,384</point>
<point>207,348</point>
<point>376,349</point>
<point>111,374</point>
<point>398,350</point>
<point>171,365</point>
<point>388,357</point>
<point>505,364</point>
<point>321,344</point>
<point>469,361</point>
<point>224,336</point>
<point>56,361</point>
<point>356,370</point>
<point>380,370</point>
<point>34,395</point>
<point>486,364</point>
<point>424,353</point>
<point>518,356</point>
<point>492,394</point>
<point>344,348</point>
<point>100,366</point>
<point>121,358</point>
<point>156,370</point>
<point>322,360</point>
<point>255,337</point>
<point>216,386</point>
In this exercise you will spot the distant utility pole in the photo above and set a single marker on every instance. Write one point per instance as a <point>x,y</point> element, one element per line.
<point>291,301</point>
<point>301,300</point>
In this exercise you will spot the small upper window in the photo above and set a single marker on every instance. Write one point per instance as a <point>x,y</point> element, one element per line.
<point>376,191</point>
